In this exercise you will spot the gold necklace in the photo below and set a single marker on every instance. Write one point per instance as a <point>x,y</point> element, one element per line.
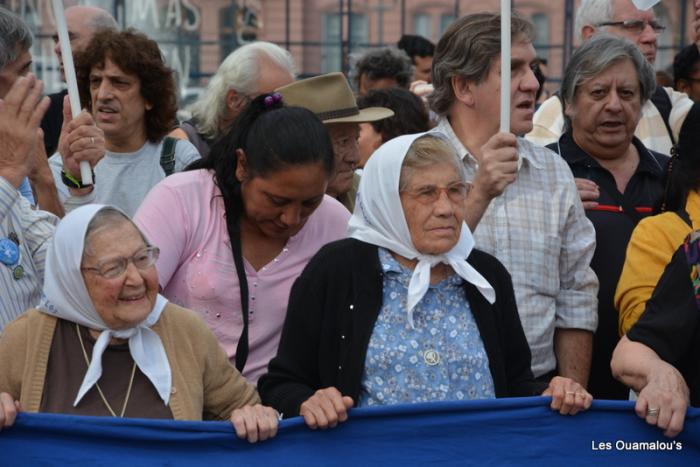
<point>102,396</point>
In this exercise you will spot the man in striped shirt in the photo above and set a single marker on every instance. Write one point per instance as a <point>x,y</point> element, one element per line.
<point>24,232</point>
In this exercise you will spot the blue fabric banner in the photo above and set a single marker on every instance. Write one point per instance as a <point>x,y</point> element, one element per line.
<point>495,432</point>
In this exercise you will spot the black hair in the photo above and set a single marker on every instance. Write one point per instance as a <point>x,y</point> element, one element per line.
<point>541,78</point>
<point>683,174</point>
<point>273,137</point>
<point>416,46</point>
<point>410,113</point>
<point>684,62</point>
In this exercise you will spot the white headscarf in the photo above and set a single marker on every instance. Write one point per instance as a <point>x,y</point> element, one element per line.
<point>379,219</point>
<point>66,296</point>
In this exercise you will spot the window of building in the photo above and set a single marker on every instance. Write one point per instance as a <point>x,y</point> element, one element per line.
<point>445,20</point>
<point>541,39</point>
<point>331,51</point>
<point>423,25</point>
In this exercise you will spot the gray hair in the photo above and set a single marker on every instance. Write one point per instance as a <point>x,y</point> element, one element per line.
<point>15,37</point>
<point>467,49</point>
<point>379,63</point>
<point>103,20</point>
<point>427,150</point>
<point>105,218</point>
<point>239,71</point>
<point>598,54</point>
<point>593,12</point>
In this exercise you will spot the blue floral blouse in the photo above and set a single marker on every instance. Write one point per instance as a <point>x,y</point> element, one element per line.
<point>443,358</point>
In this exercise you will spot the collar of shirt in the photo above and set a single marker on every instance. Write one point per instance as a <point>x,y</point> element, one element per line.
<point>445,128</point>
<point>572,153</point>
<point>395,270</point>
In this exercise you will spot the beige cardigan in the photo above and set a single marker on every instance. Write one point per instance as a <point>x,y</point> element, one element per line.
<point>205,385</point>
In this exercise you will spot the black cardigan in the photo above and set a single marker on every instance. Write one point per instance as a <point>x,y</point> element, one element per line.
<point>332,310</point>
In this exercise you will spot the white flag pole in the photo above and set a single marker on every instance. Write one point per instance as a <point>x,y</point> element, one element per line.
<point>505,65</point>
<point>71,80</point>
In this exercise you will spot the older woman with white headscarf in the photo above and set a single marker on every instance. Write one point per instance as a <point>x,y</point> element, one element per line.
<point>103,341</point>
<point>404,310</point>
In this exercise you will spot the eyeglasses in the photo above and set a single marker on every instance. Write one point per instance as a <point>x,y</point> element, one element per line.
<point>143,259</point>
<point>636,26</point>
<point>456,192</point>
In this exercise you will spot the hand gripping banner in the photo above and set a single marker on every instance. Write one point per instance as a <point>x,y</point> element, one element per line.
<point>520,432</point>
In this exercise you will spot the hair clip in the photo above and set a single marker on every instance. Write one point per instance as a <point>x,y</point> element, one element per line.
<point>273,99</point>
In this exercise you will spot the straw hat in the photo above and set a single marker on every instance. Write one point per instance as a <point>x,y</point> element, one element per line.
<point>331,99</point>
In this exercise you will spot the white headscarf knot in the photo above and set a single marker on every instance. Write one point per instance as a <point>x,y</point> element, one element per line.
<point>379,219</point>
<point>66,296</point>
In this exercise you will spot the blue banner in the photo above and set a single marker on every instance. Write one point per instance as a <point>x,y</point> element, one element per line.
<point>497,432</point>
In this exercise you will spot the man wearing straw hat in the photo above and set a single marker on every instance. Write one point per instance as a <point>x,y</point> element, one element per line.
<point>331,99</point>
<point>523,207</point>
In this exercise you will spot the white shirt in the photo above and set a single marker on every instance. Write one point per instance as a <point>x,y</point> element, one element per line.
<point>124,179</point>
<point>538,229</point>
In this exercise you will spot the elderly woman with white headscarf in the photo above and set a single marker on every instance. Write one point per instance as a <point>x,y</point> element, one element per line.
<point>404,310</point>
<point>104,342</point>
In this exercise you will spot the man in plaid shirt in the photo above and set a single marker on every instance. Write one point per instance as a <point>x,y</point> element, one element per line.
<point>523,207</point>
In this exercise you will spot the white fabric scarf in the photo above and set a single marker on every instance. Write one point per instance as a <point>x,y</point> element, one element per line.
<point>65,296</point>
<point>378,219</point>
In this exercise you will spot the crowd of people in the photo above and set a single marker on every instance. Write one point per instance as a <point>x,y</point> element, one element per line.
<point>300,248</point>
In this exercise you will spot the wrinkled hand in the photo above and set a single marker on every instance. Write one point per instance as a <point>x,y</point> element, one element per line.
<point>325,408</point>
<point>498,166</point>
<point>80,140</point>
<point>588,191</point>
<point>9,408</point>
<point>568,396</point>
<point>21,111</point>
<point>255,422</point>
<point>667,392</point>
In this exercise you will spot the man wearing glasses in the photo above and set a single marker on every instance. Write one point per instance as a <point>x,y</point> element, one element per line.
<point>664,114</point>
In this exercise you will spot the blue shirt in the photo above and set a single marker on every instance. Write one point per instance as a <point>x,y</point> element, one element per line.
<point>26,190</point>
<point>443,358</point>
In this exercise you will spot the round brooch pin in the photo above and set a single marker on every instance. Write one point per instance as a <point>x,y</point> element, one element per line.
<point>18,272</point>
<point>9,252</point>
<point>431,357</point>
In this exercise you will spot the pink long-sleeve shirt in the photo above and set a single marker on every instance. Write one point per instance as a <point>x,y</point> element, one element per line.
<point>184,216</point>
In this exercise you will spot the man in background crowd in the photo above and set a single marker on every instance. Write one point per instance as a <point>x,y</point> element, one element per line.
<point>82,22</point>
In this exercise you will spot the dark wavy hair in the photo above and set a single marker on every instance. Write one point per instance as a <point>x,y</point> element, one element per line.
<point>410,114</point>
<point>137,55</point>
<point>683,173</point>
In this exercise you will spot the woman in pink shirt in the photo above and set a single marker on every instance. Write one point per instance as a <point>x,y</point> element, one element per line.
<point>236,230</point>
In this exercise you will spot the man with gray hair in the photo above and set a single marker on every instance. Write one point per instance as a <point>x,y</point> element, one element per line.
<point>82,23</point>
<point>24,232</point>
<point>664,114</point>
<point>523,207</point>
<point>247,72</point>
<point>605,85</point>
